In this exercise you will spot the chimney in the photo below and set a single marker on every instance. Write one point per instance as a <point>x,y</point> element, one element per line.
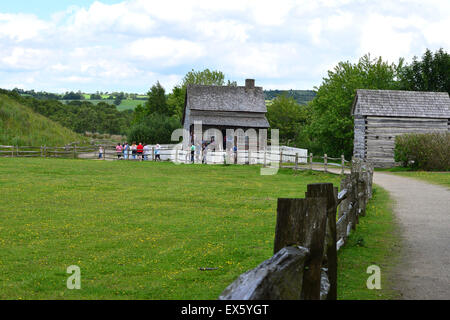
<point>249,83</point>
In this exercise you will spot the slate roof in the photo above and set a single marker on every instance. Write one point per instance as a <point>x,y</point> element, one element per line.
<point>396,103</point>
<point>227,105</point>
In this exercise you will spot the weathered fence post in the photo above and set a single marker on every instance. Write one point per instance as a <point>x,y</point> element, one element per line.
<point>281,158</point>
<point>343,164</point>
<point>327,191</point>
<point>265,158</point>
<point>310,161</point>
<point>302,222</point>
<point>74,151</point>
<point>325,162</point>
<point>153,153</point>
<point>176,155</point>
<point>296,161</point>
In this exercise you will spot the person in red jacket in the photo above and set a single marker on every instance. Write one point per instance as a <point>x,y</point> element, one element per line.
<point>140,150</point>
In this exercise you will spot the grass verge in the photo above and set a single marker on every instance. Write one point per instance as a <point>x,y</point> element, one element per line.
<point>374,242</point>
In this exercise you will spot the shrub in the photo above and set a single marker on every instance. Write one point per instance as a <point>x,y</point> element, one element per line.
<point>152,129</point>
<point>429,151</point>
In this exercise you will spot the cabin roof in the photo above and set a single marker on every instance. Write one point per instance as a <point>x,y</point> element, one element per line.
<point>396,103</point>
<point>239,106</point>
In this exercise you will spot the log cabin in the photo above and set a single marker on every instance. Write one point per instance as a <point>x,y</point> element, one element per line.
<point>381,115</point>
<point>241,108</point>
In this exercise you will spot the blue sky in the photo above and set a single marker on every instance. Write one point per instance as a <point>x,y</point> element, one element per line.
<point>128,45</point>
<point>45,8</point>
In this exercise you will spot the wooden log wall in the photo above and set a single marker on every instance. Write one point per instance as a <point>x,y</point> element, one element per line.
<point>380,133</point>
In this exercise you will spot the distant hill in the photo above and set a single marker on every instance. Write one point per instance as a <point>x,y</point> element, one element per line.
<point>301,96</point>
<point>19,125</point>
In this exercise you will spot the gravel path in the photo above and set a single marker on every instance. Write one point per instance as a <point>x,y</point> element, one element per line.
<point>423,213</point>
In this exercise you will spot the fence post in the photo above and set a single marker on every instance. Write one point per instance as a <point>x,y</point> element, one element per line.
<point>326,190</point>
<point>310,161</point>
<point>176,155</point>
<point>74,151</point>
<point>265,159</point>
<point>281,157</point>
<point>104,152</point>
<point>296,161</point>
<point>325,162</point>
<point>342,164</point>
<point>302,222</point>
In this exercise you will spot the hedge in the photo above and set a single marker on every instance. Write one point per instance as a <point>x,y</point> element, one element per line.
<point>427,151</point>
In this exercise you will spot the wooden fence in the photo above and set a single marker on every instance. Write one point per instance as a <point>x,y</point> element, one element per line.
<point>285,157</point>
<point>308,234</point>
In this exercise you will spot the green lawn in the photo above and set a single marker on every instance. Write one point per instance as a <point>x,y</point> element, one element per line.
<point>375,241</point>
<point>136,230</point>
<point>441,178</point>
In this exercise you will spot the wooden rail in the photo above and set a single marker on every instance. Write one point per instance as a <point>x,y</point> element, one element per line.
<point>307,238</point>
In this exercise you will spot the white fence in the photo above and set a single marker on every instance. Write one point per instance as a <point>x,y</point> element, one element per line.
<point>167,152</point>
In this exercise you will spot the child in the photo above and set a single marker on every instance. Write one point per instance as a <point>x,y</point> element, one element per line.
<point>157,150</point>
<point>119,149</point>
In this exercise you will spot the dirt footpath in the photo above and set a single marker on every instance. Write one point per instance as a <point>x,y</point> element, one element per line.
<point>423,213</point>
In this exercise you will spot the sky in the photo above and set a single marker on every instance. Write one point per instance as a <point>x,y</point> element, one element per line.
<point>128,45</point>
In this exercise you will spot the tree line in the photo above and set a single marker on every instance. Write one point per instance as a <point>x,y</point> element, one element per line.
<point>325,124</point>
<point>79,116</point>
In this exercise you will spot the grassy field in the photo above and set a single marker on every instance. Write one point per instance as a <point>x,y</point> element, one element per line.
<point>126,104</point>
<point>375,241</point>
<point>440,178</point>
<point>136,230</point>
<point>19,125</point>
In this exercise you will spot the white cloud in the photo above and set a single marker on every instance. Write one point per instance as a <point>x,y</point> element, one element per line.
<point>290,44</point>
<point>20,27</point>
<point>167,51</point>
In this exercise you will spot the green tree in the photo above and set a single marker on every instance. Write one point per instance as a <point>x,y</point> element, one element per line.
<point>330,124</point>
<point>286,115</point>
<point>432,73</point>
<point>155,128</point>
<point>157,101</point>
<point>205,77</point>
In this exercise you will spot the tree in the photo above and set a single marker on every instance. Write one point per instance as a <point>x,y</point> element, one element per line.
<point>430,74</point>
<point>157,101</point>
<point>155,128</point>
<point>330,125</point>
<point>286,115</point>
<point>205,77</point>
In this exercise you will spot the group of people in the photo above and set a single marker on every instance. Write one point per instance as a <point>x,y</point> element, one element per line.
<point>137,151</point>
<point>202,147</point>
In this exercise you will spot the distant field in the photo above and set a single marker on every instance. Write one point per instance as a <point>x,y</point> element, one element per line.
<point>130,104</point>
<point>125,105</point>
<point>137,230</point>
